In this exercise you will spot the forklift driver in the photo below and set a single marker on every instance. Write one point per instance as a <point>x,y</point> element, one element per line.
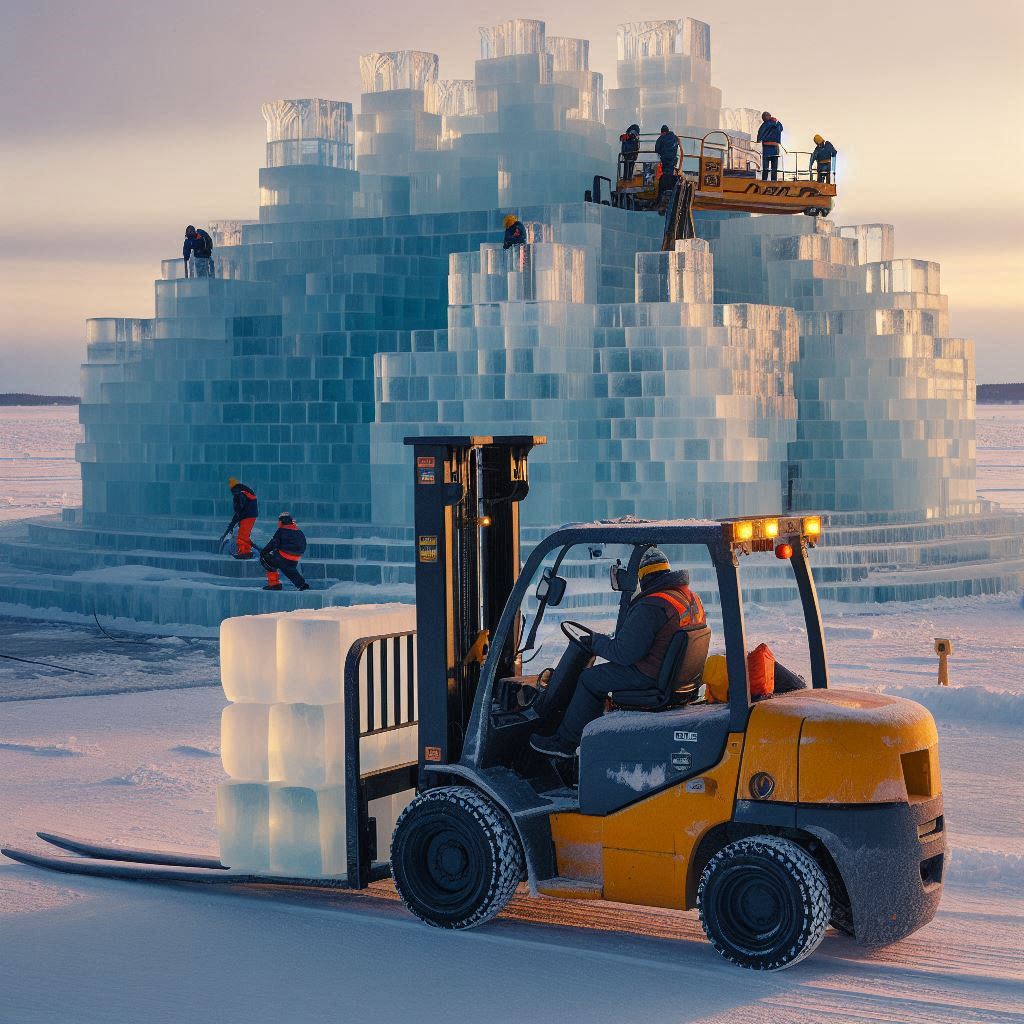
<point>634,655</point>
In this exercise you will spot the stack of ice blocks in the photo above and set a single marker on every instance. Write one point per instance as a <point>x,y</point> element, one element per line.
<point>283,739</point>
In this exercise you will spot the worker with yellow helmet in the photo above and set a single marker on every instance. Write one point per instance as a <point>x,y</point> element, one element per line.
<point>515,233</point>
<point>822,155</point>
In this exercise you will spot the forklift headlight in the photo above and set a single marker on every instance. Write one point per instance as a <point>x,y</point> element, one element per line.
<point>771,528</point>
<point>812,527</point>
<point>744,531</point>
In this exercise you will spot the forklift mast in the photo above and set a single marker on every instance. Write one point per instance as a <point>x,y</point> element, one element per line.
<point>466,503</point>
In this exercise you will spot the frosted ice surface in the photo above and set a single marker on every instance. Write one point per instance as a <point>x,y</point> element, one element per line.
<point>248,658</point>
<point>307,744</point>
<point>386,810</point>
<point>243,820</point>
<point>244,732</point>
<point>312,647</point>
<point>389,748</point>
<point>307,831</point>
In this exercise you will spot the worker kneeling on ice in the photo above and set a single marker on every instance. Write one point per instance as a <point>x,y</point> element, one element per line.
<point>282,554</point>
<point>634,656</point>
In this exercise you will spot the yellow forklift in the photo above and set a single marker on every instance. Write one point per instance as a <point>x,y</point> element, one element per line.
<point>713,172</point>
<point>774,818</point>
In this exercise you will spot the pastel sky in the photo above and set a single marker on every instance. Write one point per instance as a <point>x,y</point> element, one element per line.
<point>124,120</point>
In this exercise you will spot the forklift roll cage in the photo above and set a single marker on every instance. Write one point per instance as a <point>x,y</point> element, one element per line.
<point>643,535</point>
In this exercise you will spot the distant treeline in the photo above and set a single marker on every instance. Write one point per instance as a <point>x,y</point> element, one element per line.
<point>1001,392</point>
<point>18,398</point>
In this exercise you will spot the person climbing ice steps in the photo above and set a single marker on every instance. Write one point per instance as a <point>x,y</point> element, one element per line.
<point>246,509</point>
<point>282,554</point>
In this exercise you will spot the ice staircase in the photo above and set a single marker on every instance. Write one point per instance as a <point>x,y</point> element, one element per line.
<point>170,573</point>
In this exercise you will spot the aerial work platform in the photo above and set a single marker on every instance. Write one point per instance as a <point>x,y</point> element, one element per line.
<point>725,173</point>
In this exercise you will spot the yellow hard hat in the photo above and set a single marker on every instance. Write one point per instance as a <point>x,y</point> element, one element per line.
<point>232,481</point>
<point>818,139</point>
<point>510,219</point>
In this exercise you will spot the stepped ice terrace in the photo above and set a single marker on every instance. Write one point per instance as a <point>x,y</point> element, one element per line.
<point>772,363</point>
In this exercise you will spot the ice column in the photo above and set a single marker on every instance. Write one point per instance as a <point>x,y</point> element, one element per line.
<point>282,812</point>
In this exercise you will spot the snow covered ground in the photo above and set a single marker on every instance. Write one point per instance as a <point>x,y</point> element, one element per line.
<point>141,768</point>
<point>129,753</point>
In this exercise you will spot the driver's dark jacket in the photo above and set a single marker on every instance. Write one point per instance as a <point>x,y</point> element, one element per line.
<point>650,624</point>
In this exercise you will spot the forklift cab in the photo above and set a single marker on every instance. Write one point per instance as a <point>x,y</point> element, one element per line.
<point>771,818</point>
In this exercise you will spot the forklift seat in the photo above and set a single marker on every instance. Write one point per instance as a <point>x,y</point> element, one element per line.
<point>680,676</point>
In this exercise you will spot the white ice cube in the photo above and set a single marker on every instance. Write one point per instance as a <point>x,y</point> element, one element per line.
<point>243,821</point>
<point>307,831</point>
<point>244,741</point>
<point>386,810</point>
<point>248,659</point>
<point>312,647</point>
<point>386,749</point>
<point>307,744</point>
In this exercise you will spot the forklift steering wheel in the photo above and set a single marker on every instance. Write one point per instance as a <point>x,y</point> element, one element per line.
<point>572,631</point>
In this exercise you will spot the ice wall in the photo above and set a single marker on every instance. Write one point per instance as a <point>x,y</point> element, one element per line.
<point>886,398</point>
<point>282,812</point>
<point>664,77</point>
<point>666,406</point>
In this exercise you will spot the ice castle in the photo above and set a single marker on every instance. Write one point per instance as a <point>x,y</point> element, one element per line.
<point>771,363</point>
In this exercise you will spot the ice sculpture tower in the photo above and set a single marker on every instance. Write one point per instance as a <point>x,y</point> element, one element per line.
<point>666,401</point>
<point>777,361</point>
<point>310,167</point>
<point>664,77</point>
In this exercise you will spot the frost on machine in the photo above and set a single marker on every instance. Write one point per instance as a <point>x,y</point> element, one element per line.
<point>774,811</point>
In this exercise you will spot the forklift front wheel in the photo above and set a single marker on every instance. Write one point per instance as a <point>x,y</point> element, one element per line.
<point>455,858</point>
<point>764,903</point>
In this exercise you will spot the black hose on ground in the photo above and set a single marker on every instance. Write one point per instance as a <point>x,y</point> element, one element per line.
<point>48,664</point>
<point>145,643</point>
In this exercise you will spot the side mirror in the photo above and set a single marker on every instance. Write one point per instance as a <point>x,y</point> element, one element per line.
<point>550,589</point>
<point>622,580</point>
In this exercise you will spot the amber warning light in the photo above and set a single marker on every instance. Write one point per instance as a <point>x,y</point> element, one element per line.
<point>784,551</point>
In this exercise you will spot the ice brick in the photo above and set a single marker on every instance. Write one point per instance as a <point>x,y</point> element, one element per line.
<point>386,810</point>
<point>312,647</point>
<point>244,741</point>
<point>388,748</point>
<point>307,744</point>
<point>248,659</point>
<point>307,831</point>
<point>243,821</point>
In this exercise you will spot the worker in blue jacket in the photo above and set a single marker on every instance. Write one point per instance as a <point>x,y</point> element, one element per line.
<point>282,554</point>
<point>634,655</point>
<point>246,512</point>
<point>770,137</point>
<point>515,233</point>
<point>199,246</point>
<point>823,154</point>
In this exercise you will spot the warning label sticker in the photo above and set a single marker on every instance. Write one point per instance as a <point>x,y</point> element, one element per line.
<point>427,548</point>
<point>431,753</point>
<point>426,476</point>
<point>681,760</point>
<point>425,462</point>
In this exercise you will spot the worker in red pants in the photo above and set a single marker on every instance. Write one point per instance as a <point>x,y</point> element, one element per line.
<point>246,512</point>
<point>282,554</point>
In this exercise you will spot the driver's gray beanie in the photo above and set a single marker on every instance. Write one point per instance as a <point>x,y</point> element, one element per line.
<point>654,560</point>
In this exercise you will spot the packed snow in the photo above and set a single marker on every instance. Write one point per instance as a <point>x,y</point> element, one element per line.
<point>131,754</point>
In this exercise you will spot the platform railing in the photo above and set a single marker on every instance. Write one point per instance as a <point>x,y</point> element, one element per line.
<point>379,671</point>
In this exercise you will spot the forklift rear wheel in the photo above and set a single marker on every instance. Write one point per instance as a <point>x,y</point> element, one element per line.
<point>764,903</point>
<point>455,857</point>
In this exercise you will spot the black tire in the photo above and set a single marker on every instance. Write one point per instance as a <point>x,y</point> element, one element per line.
<point>764,903</point>
<point>455,857</point>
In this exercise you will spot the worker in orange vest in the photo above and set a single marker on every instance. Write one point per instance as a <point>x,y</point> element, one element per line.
<point>664,606</point>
